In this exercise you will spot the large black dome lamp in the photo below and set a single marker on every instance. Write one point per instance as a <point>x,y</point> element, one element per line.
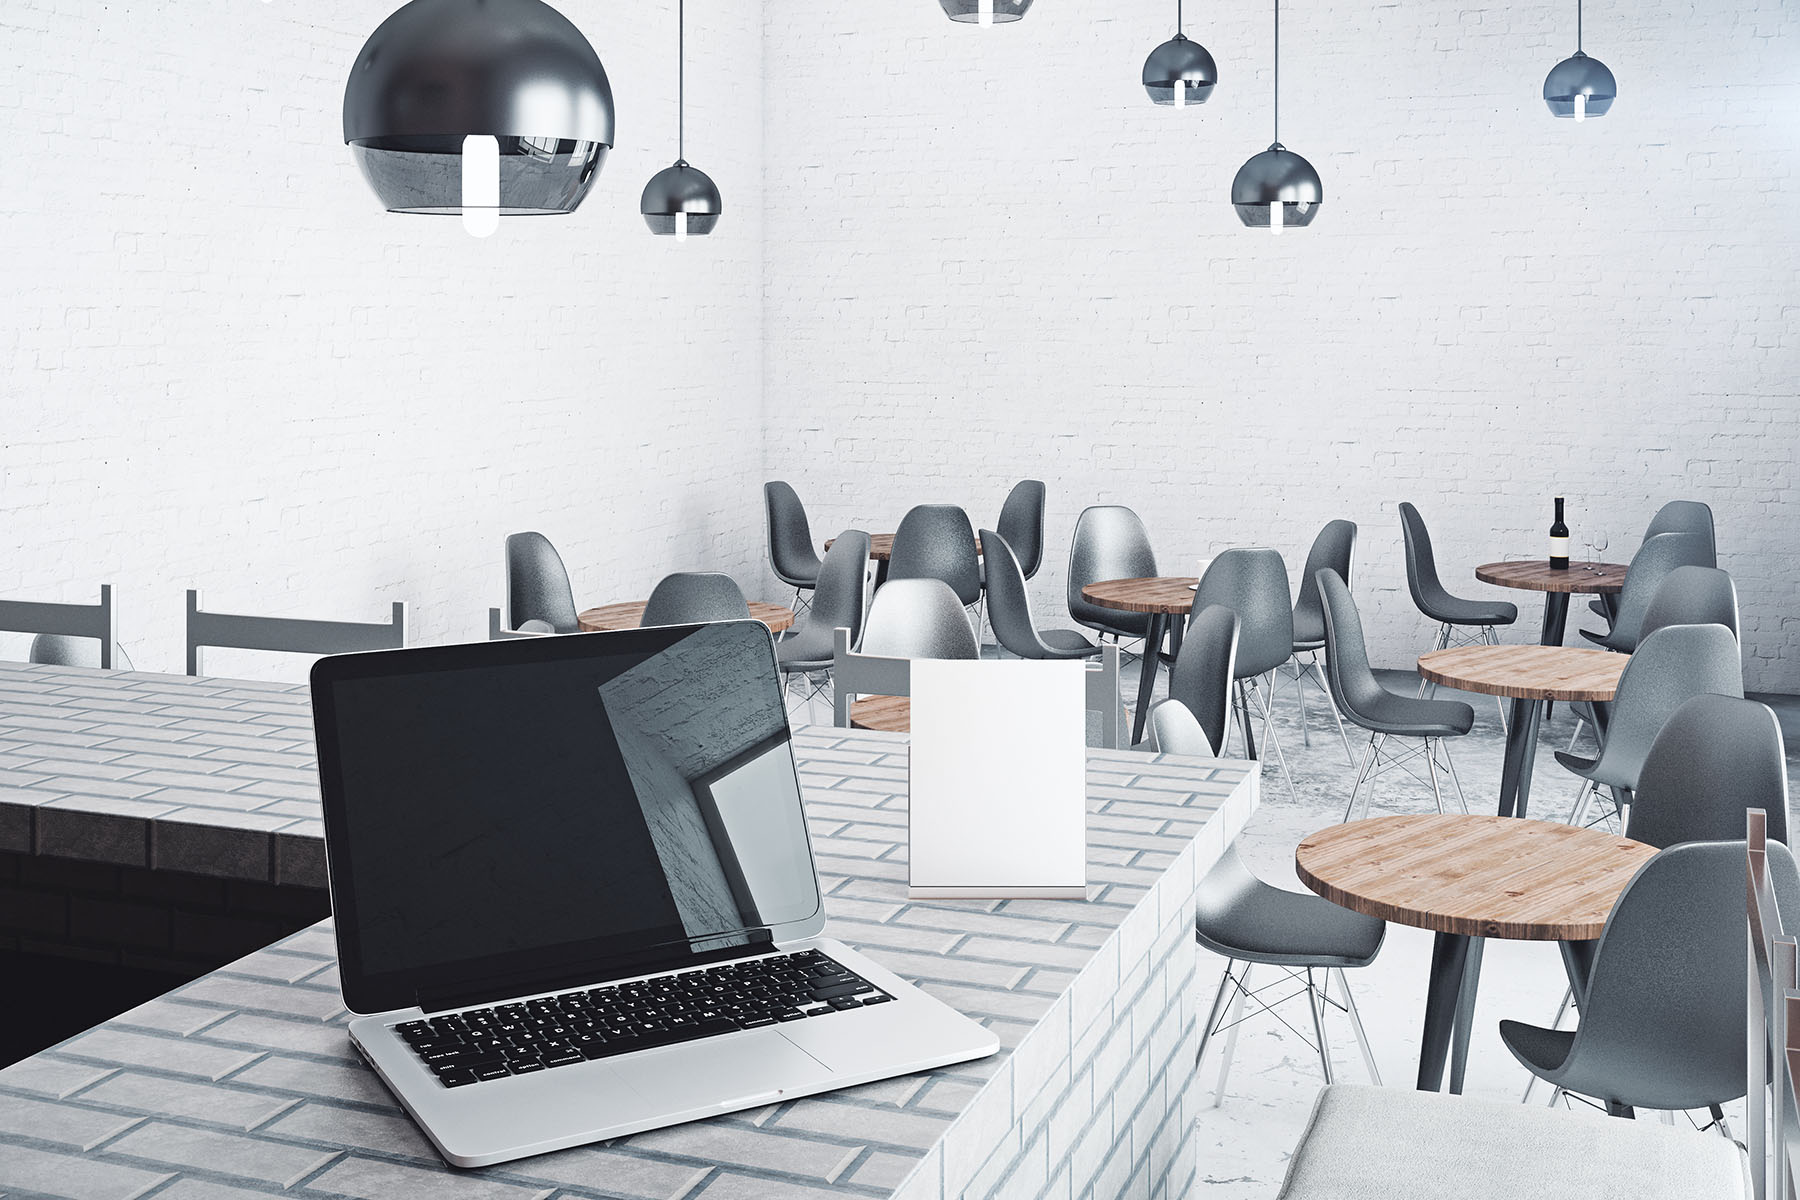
<point>1180,72</point>
<point>1580,87</point>
<point>1277,188</point>
<point>479,107</point>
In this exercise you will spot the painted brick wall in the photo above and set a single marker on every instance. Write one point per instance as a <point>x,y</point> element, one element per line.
<point>222,365</point>
<point>990,257</point>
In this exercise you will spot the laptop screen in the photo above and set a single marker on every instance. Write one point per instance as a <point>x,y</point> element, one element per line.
<point>544,810</point>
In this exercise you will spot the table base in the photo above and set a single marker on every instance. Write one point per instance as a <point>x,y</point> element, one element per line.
<point>1450,1003</point>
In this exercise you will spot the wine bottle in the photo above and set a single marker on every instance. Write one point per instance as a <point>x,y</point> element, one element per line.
<point>1559,540</point>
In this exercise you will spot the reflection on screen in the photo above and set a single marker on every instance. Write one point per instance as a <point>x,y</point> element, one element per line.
<point>631,801</point>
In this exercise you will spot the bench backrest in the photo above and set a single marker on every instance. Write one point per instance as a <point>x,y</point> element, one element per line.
<point>291,635</point>
<point>1773,1120</point>
<point>97,621</point>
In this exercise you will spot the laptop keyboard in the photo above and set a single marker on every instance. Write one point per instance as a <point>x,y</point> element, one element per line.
<point>482,1044</point>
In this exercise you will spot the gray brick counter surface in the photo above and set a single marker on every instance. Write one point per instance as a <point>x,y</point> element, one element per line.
<point>244,1084</point>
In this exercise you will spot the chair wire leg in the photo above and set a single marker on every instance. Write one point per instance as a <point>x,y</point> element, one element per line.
<point>1331,704</point>
<point>1450,770</point>
<point>1437,793</point>
<point>1316,1002</point>
<point>1369,797</point>
<point>1361,774</point>
<point>1266,701</point>
<point>1212,1018</point>
<point>1356,1025</point>
<point>1581,802</point>
<point>1237,1019</point>
<point>1300,694</point>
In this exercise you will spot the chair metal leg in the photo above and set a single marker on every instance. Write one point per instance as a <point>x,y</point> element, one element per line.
<point>1316,1001</point>
<point>1581,802</point>
<point>1212,1018</point>
<point>1267,703</point>
<point>1331,704</point>
<point>1555,1095</point>
<point>1237,1019</point>
<point>1437,793</point>
<point>1362,1038</point>
<point>1361,774</point>
<point>1300,694</point>
<point>1450,769</point>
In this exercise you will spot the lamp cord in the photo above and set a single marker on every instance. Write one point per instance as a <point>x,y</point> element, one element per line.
<point>681,79</point>
<point>1578,26</point>
<point>1278,72</point>
<point>1177,16</point>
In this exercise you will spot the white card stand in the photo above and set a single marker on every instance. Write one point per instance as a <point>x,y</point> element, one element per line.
<point>998,779</point>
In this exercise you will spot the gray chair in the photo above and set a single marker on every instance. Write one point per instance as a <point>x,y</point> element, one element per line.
<point>288,635</point>
<point>1009,608</point>
<point>1202,679</point>
<point>791,553</point>
<point>806,653</point>
<point>498,632</point>
<point>1669,667</point>
<point>1022,525</point>
<point>1677,516</point>
<point>1460,621</point>
<point>1251,923</point>
<point>936,541</point>
<point>692,597</point>
<point>1109,543</point>
<point>537,585</point>
<point>1386,715</point>
<point>1715,759</point>
<point>908,619</point>
<point>1254,584</point>
<point>68,635</point>
<point>1692,596</point>
<point>1332,550</point>
<point>1663,1015</point>
<point>1654,561</point>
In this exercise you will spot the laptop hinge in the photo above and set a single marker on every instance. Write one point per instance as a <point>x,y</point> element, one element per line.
<point>499,988</point>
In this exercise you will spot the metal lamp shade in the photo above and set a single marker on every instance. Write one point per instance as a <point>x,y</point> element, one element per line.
<point>1183,60</point>
<point>681,189</point>
<point>437,71</point>
<point>1580,76</point>
<point>1277,174</point>
<point>969,11</point>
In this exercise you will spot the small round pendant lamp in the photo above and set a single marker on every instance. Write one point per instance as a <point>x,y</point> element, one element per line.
<point>1579,87</point>
<point>479,107</point>
<point>985,12</point>
<point>681,200</point>
<point>1180,72</point>
<point>1277,189</point>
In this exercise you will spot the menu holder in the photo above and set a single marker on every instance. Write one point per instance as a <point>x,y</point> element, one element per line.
<point>998,779</point>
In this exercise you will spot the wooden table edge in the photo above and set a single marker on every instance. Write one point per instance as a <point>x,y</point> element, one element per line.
<point>1488,573</point>
<point>1517,692</point>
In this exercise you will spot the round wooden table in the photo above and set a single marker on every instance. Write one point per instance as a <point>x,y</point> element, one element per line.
<point>1535,575</point>
<point>629,614</point>
<point>1531,677</point>
<point>886,714</point>
<point>1468,878</point>
<point>1163,597</point>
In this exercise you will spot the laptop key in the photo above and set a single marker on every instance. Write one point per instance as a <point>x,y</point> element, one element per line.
<point>526,1066</point>
<point>877,998</point>
<point>563,1058</point>
<point>487,1071</point>
<point>456,1077</point>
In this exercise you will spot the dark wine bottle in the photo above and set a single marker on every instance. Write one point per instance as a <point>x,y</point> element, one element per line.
<point>1559,540</point>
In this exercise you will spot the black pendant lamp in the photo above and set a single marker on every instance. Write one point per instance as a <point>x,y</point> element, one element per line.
<point>1180,72</point>
<point>1579,87</point>
<point>680,199</point>
<point>985,12</point>
<point>1277,188</point>
<point>479,107</point>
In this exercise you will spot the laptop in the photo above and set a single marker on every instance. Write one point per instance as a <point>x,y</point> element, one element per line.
<point>574,894</point>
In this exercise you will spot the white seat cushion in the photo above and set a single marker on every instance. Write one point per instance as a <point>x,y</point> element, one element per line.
<point>1366,1143</point>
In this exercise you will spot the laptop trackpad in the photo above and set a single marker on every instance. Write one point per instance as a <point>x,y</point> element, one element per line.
<point>728,1073</point>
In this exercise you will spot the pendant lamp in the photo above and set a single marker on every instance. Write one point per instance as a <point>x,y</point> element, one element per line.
<point>479,107</point>
<point>1179,72</point>
<point>985,12</point>
<point>1277,188</point>
<point>680,199</point>
<point>1579,86</point>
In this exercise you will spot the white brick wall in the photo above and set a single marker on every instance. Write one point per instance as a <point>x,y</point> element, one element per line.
<point>989,257</point>
<point>222,365</point>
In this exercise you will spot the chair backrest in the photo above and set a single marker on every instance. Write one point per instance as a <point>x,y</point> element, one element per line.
<point>1175,730</point>
<point>1670,667</point>
<point>791,552</point>
<point>1421,563</point>
<point>1692,596</point>
<point>1685,516</point>
<point>289,635</point>
<point>838,597</point>
<point>1009,600</point>
<point>1205,670</point>
<point>1109,543</point>
<point>1652,564</point>
<point>917,618</point>
<point>936,541</point>
<point>1332,550</point>
<point>98,622</point>
<point>1253,584</point>
<point>1022,524</point>
<point>689,597</point>
<point>498,632</point>
<point>1772,1124</point>
<point>1713,760</point>
<point>1352,681</point>
<point>1663,1020</point>
<point>537,585</point>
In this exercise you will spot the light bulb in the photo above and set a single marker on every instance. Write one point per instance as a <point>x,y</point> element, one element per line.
<point>681,227</point>
<point>986,16</point>
<point>480,184</point>
<point>1581,106</point>
<point>1275,217</point>
<point>1181,93</point>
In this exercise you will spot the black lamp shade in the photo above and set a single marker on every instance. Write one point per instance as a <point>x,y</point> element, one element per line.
<point>437,71</point>
<point>681,189</point>
<point>969,11</point>
<point>1183,60</point>
<point>1277,174</point>
<point>1580,75</point>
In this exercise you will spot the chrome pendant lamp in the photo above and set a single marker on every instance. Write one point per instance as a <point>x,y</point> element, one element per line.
<point>681,200</point>
<point>1579,87</point>
<point>1277,188</point>
<point>1179,72</point>
<point>985,12</point>
<point>482,108</point>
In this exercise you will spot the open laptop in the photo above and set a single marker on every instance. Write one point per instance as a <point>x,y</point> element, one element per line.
<point>574,892</point>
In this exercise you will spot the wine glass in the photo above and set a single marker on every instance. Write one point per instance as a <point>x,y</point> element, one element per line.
<point>1600,543</point>
<point>1587,539</point>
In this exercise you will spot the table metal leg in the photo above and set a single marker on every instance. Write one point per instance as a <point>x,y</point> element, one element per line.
<point>1449,953</point>
<point>1465,1015</point>
<point>1509,768</point>
<point>1528,754</point>
<point>1578,962</point>
<point>1556,620</point>
<point>1147,680</point>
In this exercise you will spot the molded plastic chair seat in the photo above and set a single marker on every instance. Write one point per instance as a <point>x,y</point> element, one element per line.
<point>695,596</point>
<point>1109,543</point>
<point>1455,610</point>
<point>537,584</point>
<point>1241,917</point>
<point>1409,716</point>
<point>1655,560</point>
<point>1713,761</point>
<point>1429,593</point>
<point>791,553</point>
<point>1068,643</point>
<point>1009,608</point>
<point>1022,524</point>
<point>936,541</point>
<point>837,603</point>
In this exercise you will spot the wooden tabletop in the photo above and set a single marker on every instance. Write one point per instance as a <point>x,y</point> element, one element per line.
<point>629,614</point>
<point>881,546</point>
<point>885,714</point>
<point>1527,672</point>
<point>1481,876</point>
<point>1535,575</point>
<point>1158,594</point>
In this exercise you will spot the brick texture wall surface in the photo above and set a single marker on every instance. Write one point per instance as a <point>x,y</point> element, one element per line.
<point>990,257</point>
